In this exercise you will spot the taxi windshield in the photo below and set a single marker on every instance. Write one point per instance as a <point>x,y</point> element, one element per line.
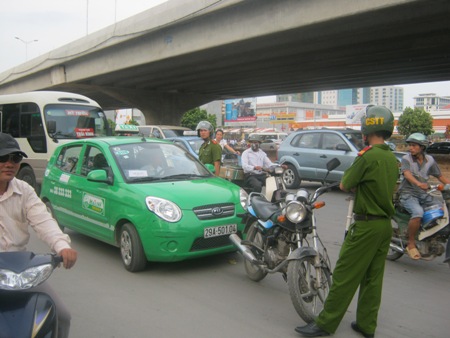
<point>145,162</point>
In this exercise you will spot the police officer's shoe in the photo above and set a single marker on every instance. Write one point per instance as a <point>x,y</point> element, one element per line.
<point>356,328</point>
<point>311,330</point>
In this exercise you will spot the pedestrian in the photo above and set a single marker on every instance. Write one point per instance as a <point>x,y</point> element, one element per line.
<point>372,177</point>
<point>223,143</point>
<point>417,167</point>
<point>210,151</point>
<point>20,209</point>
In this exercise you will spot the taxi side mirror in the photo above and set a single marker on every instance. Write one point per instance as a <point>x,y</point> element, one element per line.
<point>100,175</point>
<point>210,167</point>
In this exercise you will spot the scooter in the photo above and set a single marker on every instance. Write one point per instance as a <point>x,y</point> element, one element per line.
<point>434,231</point>
<point>26,314</point>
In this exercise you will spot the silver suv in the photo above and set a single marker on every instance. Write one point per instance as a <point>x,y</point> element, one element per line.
<point>307,152</point>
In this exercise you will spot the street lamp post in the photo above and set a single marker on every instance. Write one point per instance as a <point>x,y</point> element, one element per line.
<point>26,45</point>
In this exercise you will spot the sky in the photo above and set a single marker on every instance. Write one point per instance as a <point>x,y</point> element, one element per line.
<point>54,23</point>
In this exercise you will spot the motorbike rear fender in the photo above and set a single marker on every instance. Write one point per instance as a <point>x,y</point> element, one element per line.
<point>300,253</point>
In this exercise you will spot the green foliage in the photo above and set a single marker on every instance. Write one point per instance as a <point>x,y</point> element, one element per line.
<point>415,120</point>
<point>112,125</point>
<point>192,117</point>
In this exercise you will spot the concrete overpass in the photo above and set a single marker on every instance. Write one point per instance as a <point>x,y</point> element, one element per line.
<point>182,54</point>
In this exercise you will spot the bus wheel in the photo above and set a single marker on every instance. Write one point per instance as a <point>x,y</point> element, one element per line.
<point>27,174</point>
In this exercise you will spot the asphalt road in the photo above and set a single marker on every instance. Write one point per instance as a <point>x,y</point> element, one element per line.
<point>212,297</point>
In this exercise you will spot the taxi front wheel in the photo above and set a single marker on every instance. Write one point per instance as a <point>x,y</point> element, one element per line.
<point>131,250</point>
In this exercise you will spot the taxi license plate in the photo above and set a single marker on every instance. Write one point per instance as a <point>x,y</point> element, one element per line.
<point>220,230</point>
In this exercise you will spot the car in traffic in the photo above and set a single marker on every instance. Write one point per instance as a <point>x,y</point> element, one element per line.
<point>191,143</point>
<point>137,194</point>
<point>439,148</point>
<point>270,141</point>
<point>307,152</point>
<point>162,131</point>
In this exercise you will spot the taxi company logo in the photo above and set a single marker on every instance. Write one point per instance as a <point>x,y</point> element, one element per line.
<point>94,203</point>
<point>217,211</point>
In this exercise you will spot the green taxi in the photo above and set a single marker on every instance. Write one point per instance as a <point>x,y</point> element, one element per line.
<point>149,197</point>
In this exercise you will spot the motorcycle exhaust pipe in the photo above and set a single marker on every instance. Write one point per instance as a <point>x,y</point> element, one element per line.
<point>245,251</point>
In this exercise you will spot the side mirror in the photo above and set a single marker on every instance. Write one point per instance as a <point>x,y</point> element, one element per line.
<point>210,167</point>
<point>333,164</point>
<point>100,175</point>
<point>342,146</point>
<point>51,127</point>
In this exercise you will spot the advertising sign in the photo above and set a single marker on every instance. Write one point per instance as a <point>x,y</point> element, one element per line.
<point>240,110</point>
<point>353,113</point>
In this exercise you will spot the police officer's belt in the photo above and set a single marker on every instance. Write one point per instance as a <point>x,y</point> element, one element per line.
<point>367,217</point>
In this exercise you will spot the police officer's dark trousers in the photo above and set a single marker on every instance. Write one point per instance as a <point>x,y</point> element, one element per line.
<point>361,263</point>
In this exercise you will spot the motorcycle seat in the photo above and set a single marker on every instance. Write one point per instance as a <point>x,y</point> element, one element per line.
<point>263,208</point>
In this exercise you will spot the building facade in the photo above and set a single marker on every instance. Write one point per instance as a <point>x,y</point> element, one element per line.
<point>430,102</point>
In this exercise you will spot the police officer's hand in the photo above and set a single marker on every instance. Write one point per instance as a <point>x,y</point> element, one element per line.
<point>257,167</point>
<point>69,257</point>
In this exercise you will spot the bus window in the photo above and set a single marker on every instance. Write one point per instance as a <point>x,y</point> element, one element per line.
<point>75,121</point>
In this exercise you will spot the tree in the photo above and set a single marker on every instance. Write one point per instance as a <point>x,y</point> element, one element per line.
<point>415,120</point>
<point>192,117</point>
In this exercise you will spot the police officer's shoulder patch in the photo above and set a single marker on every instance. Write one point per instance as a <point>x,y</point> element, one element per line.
<point>362,151</point>
<point>214,142</point>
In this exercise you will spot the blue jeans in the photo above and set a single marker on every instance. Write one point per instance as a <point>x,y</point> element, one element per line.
<point>415,205</point>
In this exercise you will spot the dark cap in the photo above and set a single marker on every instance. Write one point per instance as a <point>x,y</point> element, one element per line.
<point>9,145</point>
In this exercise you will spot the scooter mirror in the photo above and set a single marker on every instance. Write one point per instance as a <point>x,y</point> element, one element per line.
<point>333,164</point>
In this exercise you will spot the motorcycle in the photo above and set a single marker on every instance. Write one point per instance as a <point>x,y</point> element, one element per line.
<point>26,314</point>
<point>282,236</point>
<point>434,230</point>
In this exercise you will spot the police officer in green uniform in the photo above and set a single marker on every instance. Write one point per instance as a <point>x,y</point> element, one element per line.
<point>373,178</point>
<point>210,152</point>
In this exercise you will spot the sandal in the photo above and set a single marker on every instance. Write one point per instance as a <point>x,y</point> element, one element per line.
<point>413,253</point>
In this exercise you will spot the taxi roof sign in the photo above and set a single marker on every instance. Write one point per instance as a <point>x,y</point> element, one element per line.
<point>127,128</point>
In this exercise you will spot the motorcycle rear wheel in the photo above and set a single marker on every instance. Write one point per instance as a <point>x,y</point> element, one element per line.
<point>254,272</point>
<point>307,299</point>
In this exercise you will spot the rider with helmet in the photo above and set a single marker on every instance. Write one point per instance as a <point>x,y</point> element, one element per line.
<point>210,152</point>
<point>373,177</point>
<point>417,167</point>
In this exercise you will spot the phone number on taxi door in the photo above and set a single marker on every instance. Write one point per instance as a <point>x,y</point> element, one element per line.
<point>62,192</point>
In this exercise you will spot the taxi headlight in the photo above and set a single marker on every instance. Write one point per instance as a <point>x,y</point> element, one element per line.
<point>296,211</point>
<point>10,280</point>
<point>165,209</point>
<point>243,196</point>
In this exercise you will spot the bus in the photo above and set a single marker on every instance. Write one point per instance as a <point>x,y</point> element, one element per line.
<point>41,120</point>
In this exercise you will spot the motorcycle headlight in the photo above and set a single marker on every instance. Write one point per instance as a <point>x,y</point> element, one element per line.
<point>243,196</point>
<point>296,212</point>
<point>165,209</point>
<point>10,280</point>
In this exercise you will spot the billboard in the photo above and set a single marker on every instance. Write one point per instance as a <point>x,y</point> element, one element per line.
<point>240,110</point>
<point>353,113</point>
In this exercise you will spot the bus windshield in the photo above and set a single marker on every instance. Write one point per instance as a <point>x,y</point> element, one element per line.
<point>75,121</point>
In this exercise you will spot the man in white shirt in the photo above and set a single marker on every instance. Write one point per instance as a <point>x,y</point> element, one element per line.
<point>21,208</point>
<point>253,162</point>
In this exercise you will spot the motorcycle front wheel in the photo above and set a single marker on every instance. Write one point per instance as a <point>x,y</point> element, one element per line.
<point>254,272</point>
<point>306,296</point>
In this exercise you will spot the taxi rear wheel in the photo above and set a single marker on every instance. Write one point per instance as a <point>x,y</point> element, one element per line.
<point>131,250</point>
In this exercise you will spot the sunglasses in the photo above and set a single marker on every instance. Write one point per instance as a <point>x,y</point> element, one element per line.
<point>16,158</point>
